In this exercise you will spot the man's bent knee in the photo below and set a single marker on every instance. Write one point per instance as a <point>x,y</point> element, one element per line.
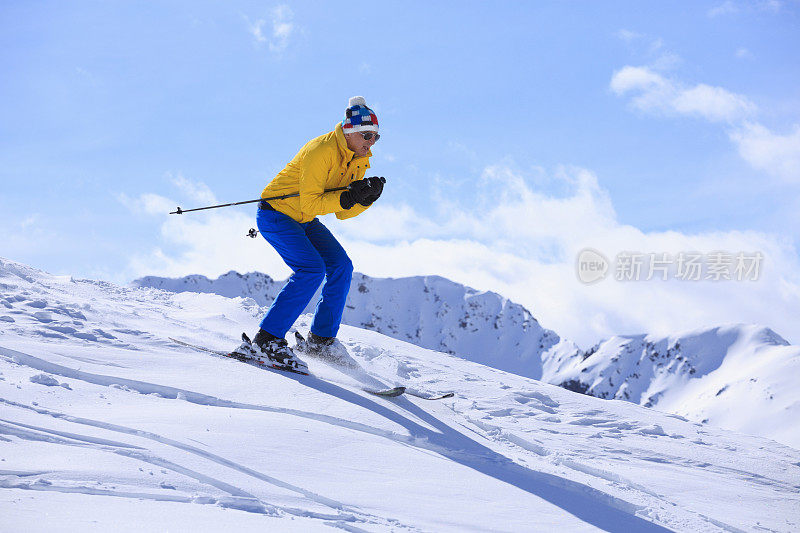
<point>313,274</point>
<point>343,267</point>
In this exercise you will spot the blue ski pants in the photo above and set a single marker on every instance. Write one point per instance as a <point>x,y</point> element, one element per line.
<point>314,255</point>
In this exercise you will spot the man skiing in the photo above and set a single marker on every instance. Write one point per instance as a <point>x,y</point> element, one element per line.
<point>337,159</point>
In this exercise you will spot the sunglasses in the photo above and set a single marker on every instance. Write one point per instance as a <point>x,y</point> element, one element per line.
<point>369,134</point>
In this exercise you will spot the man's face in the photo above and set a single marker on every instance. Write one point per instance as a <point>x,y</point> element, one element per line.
<point>358,144</point>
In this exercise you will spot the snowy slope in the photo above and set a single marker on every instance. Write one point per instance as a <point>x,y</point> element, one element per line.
<point>429,311</point>
<point>106,425</point>
<point>741,377</point>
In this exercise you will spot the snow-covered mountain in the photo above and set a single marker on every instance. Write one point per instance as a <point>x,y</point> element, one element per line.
<point>742,377</point>
<point>107,425</point>
<point>429,311</point>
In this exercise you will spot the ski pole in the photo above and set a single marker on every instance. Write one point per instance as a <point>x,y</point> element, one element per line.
<point>180,211</point>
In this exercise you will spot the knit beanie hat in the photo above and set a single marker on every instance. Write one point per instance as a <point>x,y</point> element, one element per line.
<point>358,117</point>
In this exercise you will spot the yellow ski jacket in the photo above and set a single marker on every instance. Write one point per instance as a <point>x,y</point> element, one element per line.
<point>323,163</point>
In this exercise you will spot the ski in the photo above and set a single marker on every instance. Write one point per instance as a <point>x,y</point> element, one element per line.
<point>250,361</point>
<point>301,345</point>
<point>201,348</point>
<point>388,393</point>
<point>385,393</point>
<point>430,396</point>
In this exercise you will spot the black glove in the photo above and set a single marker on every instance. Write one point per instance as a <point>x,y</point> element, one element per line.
<point>375,189</point>
<point>356,193</point>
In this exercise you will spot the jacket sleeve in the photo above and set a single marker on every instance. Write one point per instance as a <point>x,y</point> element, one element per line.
<point>350,213</point>
<point>314,168</point>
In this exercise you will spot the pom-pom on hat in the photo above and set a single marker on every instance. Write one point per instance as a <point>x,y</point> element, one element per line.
<point>358,117</point>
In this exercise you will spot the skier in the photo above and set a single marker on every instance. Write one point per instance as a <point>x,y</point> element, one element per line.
<point>337,159</point>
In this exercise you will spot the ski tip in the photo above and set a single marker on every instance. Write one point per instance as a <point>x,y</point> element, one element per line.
<point>387,393</point>
<point>432,396</point>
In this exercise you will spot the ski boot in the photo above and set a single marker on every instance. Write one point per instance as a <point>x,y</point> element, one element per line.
<point>246,352</point>
<point>327,349</point>
<point>277,352</point>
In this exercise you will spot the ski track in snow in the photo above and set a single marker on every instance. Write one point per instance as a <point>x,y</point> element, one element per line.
<point>85,374</point>
<point>238,499</point>
<point>578,499</point>
<point>581,500</point>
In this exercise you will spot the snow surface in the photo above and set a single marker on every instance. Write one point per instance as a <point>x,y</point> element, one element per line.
<point>107,425</point>
<point>740,377</point>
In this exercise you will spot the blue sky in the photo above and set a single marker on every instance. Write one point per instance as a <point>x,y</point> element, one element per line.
<point>509,130</point>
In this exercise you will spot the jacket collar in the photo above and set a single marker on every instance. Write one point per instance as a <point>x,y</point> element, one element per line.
<point>347,153</point>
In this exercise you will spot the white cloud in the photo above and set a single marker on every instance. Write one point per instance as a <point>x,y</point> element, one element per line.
<point>656,45</point>
<point>655,93</point>
<point>206,242</point>
<point>29,222</point>
<point>256,29</point>
<point>666,61</point>
<point>778,155</point>
<point>744,53</point>
<point>712,103</point>
<point>651,47</point>
<point>210,243</point>
<point>282,28</point>
<point>628,35</point>
<point>522,244</point>
<point>197,191</point>
<point>771,5</point>
<point>725,8</point>
<point>730,7</point>
<point>631,78</point>
<point>765,150</point>
<point>525,246</point>
<point>147,204</point>
<point>153,204</point>
<point>281,25</point>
